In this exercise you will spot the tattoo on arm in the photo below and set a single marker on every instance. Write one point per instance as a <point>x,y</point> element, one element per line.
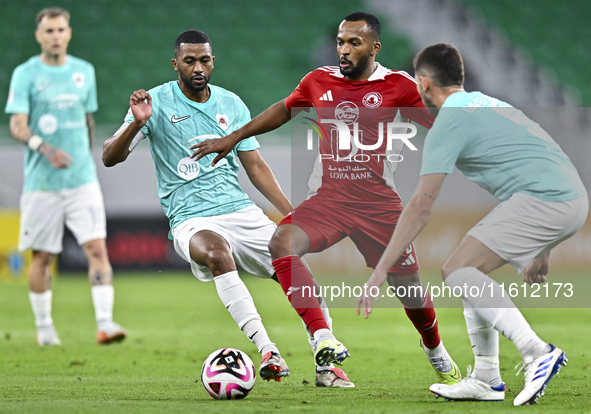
<point>91,127</point>
<point>429,195</point>
<point>99,277</point>
<point>19,127</point>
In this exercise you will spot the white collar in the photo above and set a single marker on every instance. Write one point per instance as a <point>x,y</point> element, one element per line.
<point>378,74</point>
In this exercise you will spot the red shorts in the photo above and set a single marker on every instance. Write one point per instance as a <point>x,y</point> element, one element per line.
<point>327,222</point>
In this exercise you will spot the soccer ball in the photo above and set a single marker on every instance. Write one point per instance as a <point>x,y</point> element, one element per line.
<point>228,374</point>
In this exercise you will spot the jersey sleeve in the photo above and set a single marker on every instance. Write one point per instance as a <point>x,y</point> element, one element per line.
<point>18,95</point>
<point>443,145</point>
<point>129,117</point>
<point>91,100</point>
<point>249,144</point>
<point>300,96</point>
<point>412,106</point>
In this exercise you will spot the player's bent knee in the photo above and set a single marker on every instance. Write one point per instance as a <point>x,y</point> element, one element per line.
<point>219,261</point>
<point>280,243</point>
<point>42,258</point>
<point>96,250</point>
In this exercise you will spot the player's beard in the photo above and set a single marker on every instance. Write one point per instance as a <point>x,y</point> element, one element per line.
<point>433,110</point>
<point>354,70</point>
<point>189,84</point>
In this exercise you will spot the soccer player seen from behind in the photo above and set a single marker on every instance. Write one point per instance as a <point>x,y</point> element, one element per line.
<point>214,224</point>
<point>51,100</point>
<point>362,205</point>
<point>543,202</point>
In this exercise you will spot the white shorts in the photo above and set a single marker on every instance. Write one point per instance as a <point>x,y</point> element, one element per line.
<point>43,214</point>
<point>247,231</point>
<point>523,227</point>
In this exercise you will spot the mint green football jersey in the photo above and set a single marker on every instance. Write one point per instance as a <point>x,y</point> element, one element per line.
<point>57,99</point>
<point>188,188</point>
<point>499,148</point>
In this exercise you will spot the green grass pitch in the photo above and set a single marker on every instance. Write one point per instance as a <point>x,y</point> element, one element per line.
<point>175,321</point>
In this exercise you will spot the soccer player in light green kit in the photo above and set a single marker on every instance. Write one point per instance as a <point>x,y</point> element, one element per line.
<point>543,202</point>
<point>52,97</point>
<point>214,224</point>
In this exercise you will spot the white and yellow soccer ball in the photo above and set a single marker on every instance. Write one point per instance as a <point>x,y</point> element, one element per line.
<point>228,374</point>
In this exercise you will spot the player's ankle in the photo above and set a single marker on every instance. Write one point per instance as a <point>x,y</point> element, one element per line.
<point>269,348</point>
<point>322,334</point>
<point>490,376</point>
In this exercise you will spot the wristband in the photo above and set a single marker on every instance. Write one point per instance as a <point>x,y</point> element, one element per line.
<point>34,142</point>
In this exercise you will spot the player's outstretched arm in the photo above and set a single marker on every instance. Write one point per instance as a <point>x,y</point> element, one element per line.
<point>21,132</point>
<point>413,219</point>
<point>264,180</point>
<point>116,148</point>
<point>268,120</point>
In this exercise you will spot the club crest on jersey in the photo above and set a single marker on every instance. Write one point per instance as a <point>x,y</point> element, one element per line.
<point>78,79</point>
<point>346,112</point>
<point>222,121</point>
<point>372,100</point>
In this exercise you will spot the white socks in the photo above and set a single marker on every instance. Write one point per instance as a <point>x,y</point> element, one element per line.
<point>438,352</point>
<point>322,334</point>
<point>103,297</point>
<point>41,304</point>
<point>236,298</point>
<point>496,309</point>
<point>485,345</point>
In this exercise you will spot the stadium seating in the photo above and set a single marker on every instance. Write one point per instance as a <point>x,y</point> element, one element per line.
<point>555,34</point>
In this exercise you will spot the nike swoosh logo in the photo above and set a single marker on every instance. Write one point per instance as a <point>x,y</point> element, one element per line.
<point>174,119</point>
<point>252,336</point>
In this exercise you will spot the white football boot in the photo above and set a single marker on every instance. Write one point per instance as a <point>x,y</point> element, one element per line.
<point>538,373</point>
<point>47,336</point>
<point>109,332</point>
<point>470,389</point>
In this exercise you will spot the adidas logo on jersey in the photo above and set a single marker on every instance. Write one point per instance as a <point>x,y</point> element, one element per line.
<point>326,97</point>
<point>410,261</point>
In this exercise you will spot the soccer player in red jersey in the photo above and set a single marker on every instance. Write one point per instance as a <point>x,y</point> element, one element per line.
<point>354,194</point>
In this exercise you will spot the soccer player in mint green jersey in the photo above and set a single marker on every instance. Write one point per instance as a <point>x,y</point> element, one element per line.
<point>214,224</point>
<point>52,97</point>
<point>543,202</point>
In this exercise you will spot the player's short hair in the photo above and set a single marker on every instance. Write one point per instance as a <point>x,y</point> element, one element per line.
<point>443,64</point>
<point>52,13</point>
<point>373,23</point>
<point>191,36</point>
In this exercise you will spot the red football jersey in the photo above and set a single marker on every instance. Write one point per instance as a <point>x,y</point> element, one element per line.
<point>360,173</point>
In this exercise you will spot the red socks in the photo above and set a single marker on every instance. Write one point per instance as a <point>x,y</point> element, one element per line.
<point>298,285</point>
<point>425,322</point>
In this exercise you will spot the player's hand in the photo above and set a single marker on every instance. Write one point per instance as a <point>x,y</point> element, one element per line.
<point>372,286</point>
<point>222,146</point>
<point>56,156</point>
<point>537,270</point>
<point>141,105</point>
